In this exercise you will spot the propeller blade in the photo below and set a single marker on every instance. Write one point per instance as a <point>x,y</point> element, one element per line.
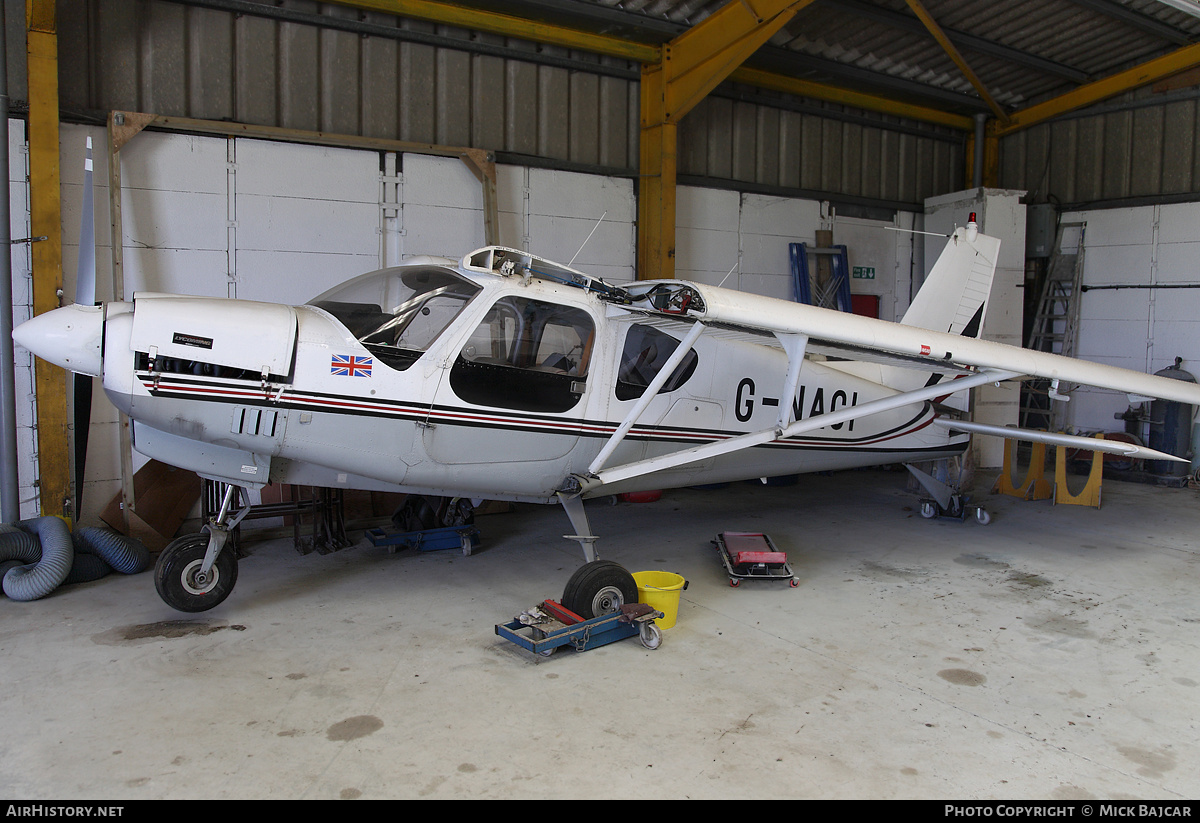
<point>85,295</point>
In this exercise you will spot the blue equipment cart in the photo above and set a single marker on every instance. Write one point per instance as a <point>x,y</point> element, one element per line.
<point>548,626</point>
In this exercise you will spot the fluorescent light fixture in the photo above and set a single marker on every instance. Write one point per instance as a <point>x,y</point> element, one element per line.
<point>1191,7</point>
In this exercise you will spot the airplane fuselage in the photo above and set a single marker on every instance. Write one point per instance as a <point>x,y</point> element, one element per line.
<point>515,384</point>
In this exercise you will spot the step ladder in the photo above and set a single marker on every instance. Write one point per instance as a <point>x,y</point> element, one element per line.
<point>835,292</point>
<point>1055,327</point>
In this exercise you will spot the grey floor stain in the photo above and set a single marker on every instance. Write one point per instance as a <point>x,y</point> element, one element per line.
<point>1061,624</point>
<point>163,630</point>
<point>353,728</point>
<point>980,561</point>
<point>1153,764</point>
<point>962,677</point>
<point>1029,579</point>
<point>878,570</point>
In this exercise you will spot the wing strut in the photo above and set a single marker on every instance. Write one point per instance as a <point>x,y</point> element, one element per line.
<point>1071,441</point>
<point>746,441</point>
<point>794,345</point>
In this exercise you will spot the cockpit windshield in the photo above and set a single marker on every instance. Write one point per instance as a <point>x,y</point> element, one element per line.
<point>397,313</point>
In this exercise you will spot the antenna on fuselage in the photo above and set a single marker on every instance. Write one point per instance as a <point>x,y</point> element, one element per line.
<point>589,237</point>
<point>726,277</point>
<point>917,231</point>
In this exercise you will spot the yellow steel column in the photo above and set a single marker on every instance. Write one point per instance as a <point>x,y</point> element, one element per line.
<point>691,66</point>
<point>46,210</point>
<point>991,156</point>
<point>656,182</point>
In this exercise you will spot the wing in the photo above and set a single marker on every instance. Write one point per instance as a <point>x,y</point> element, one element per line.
<point>960,360</point>
<point>849,336</point>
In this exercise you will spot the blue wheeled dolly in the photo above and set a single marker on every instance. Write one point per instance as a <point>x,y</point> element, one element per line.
<point>548,626</point>
<point>464,538</point>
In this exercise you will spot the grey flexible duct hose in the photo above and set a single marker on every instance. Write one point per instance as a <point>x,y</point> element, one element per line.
<point>37,556</point>
<point>19,545</point>
<point>126,555</point>
<point>86,568</point>
<point>38,580</point>
<point>5,565</point>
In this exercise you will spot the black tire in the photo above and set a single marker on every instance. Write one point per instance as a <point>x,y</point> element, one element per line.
<point>415,515</point>
<point>599,588</point>
<point>174,574</point>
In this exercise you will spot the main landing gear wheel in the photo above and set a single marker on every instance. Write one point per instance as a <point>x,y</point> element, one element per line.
<point>599,588</point>
<point>179,582</point>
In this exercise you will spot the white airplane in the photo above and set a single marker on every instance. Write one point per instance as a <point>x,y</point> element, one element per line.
<point>505,376</point>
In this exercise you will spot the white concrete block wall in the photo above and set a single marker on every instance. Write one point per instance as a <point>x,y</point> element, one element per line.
<point>564,208</point>
<point>22,298</point>
<point>768,226</point>
<point>442,211</point>
<point>305,218</point>
<point>1140,328</point>
<point>164,176</point>
<point>707,241</point>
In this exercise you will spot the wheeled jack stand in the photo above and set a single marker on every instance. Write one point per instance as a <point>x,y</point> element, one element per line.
<point>946,502</point>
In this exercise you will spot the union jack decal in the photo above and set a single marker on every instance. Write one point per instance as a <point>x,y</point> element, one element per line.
<point>350,365</point>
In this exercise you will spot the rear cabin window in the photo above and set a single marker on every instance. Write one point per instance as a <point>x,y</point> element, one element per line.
<point>645,352</point>
<point>398,313</point>
<point>528,355</point>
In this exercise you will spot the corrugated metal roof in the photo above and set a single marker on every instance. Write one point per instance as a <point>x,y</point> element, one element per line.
<point>1023,51</point>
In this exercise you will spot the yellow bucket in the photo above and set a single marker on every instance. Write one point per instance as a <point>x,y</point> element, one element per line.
<point>661,590</point>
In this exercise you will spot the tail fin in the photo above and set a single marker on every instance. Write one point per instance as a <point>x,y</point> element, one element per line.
<point>954,297</point>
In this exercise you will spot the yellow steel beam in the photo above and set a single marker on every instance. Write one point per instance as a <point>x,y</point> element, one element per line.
<point>695,62</point>
<point>1149,72</point>
<point>859,100</point>
<point>54,472</point>
<point>480,20</point>
<point>940,36</point>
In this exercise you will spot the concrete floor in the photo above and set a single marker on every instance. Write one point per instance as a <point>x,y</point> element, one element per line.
<point>1053,654</point>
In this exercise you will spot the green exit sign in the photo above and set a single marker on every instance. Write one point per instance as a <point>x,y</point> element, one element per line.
<point>863,273</point>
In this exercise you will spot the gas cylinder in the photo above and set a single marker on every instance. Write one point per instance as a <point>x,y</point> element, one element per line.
<point>1171,427</point>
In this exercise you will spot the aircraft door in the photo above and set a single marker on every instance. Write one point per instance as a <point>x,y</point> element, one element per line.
<point>677,415</point>
<point>515,391</point>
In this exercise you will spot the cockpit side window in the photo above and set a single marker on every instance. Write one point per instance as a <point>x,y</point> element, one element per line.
<point>527,354</point>
<point>645,352</point>
<point>398,313</point>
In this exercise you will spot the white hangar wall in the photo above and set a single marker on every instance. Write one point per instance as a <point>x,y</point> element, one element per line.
<point>1141,325</point>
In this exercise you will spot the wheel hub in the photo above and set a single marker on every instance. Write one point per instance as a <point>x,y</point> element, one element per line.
<point>197,582</point>
<point>607,600</point>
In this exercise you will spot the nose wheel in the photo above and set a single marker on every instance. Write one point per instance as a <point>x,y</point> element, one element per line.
<point>194,573</point>
<point>180,578</point>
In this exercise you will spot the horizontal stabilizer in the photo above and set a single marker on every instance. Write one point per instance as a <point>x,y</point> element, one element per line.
<point>1096,444</point>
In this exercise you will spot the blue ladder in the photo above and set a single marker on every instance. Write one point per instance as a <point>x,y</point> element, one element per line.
<point>837,291</point>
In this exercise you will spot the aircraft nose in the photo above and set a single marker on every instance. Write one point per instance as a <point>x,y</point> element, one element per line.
<point>70,337</point>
